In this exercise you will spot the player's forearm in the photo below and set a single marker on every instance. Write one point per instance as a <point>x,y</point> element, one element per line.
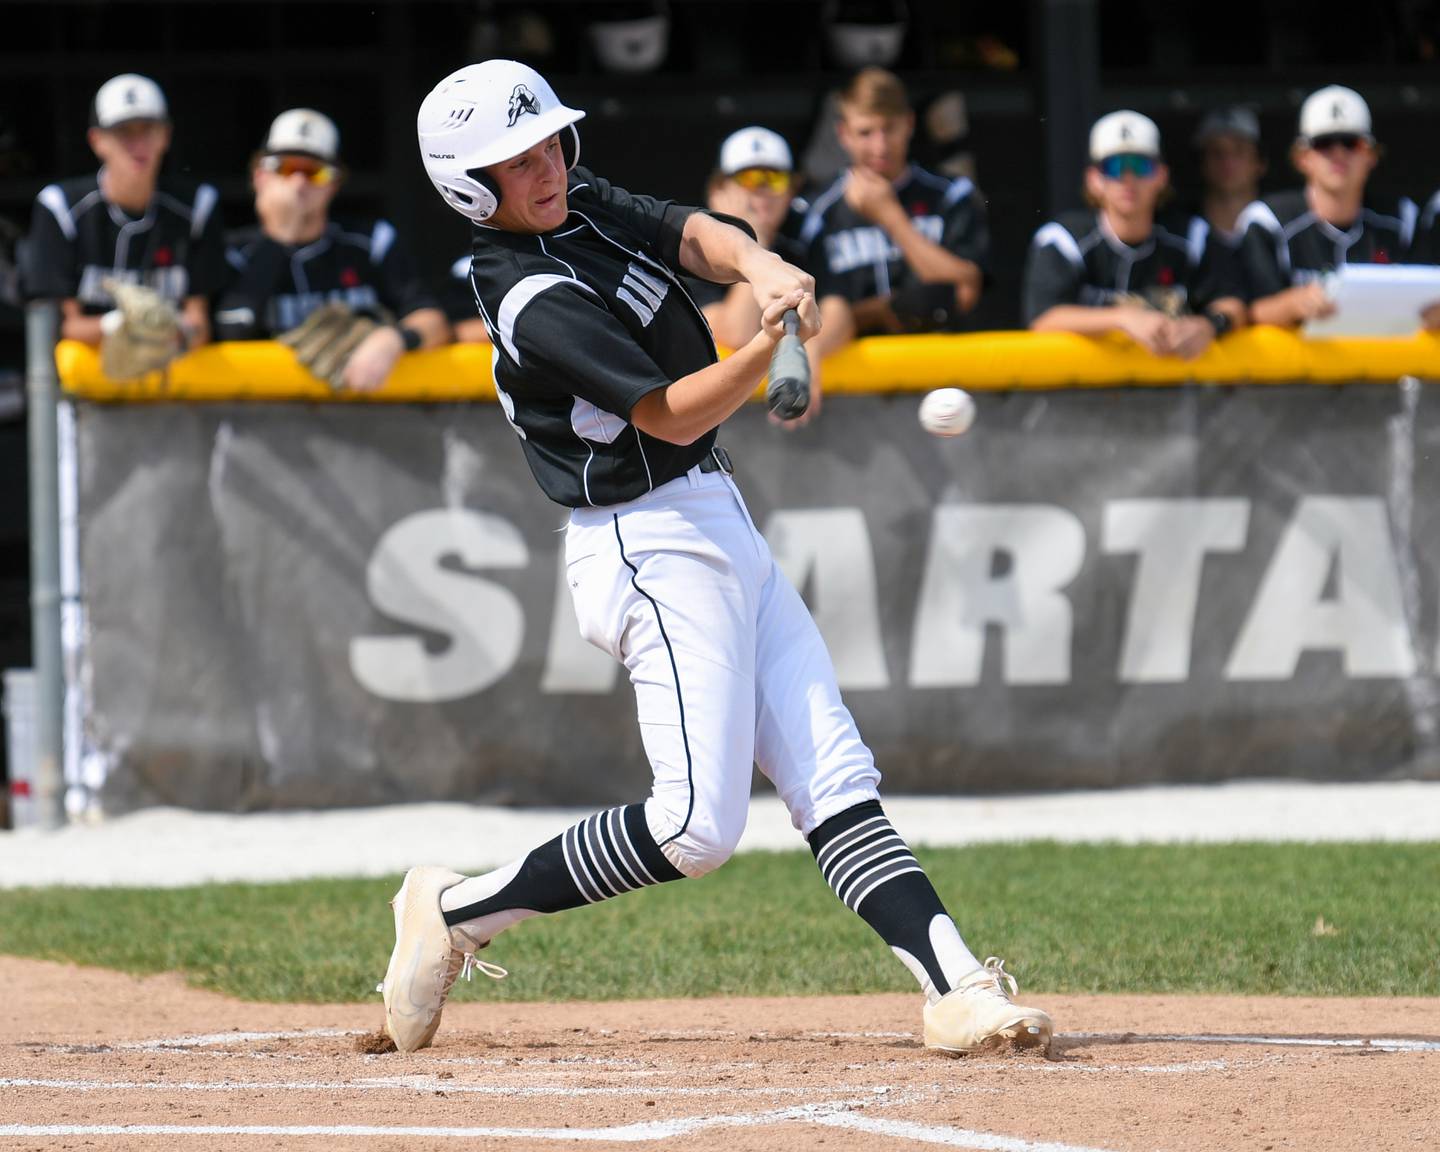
<point>75,325</point>
<point>931,262</point>
<point>874,316</point>
<point>434,329</point>
<point>1080,319</point>
<point>694,404</point>
<point>714,250</point>
<point>1280,309</point>
<point>195,321</point>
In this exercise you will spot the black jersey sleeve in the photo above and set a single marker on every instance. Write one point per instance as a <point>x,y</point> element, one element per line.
<point>1426,248</point>
<point>567,339</point>
<point>256,267</point>
<point>659,223</point>
<point>1052,274</point>
<point>51,266</point>
<point>1260,253</point>
<point>400,287</point>
<point>207,268</point>
<point>967,229</point>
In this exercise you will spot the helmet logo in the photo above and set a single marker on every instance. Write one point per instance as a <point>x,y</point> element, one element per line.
<point>522,101</point>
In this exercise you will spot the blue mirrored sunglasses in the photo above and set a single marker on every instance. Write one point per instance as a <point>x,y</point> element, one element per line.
<point>1114,167</point>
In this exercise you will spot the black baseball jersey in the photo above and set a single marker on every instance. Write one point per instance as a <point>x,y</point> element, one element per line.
<point>586,320</point>
<point>1078,259</point>
<point>1285,244</point>
<point>274,286</point>
<point>1426,249</point>
<point>860,261</point>
<point>78,239</point>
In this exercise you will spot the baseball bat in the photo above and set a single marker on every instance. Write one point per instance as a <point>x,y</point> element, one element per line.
<point>789,392</point>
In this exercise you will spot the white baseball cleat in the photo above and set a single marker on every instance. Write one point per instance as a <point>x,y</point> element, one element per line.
<point>979,1015</point>
<point>428,956</point>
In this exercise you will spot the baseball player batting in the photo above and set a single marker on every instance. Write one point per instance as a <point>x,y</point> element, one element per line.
<point>608,374</point>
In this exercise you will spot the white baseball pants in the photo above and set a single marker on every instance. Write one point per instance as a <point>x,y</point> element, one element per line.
<point>727,664</point>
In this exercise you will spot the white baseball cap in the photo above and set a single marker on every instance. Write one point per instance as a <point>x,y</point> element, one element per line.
<point>1334,109</point>
<point>755,148</point>
<point>307,132</point>
<point>129,97</point>
<point>1123,131</point>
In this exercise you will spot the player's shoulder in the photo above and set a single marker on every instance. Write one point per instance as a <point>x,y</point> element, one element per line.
<point>71,199</point>
<point>193,201</point>
<point>1078,225</point>
<point>946,191</point>
<point>374,238</point>
<point>1397,214</point>
<point>1275,213</point>
<point>1178,228</point>
<point>822,207</point>
<point>241,242</point>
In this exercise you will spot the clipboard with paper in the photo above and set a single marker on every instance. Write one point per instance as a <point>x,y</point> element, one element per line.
<point>1378,299</point>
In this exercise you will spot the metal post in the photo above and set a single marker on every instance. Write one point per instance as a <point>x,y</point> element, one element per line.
<point>42,329</point>
<point>1070,68</point>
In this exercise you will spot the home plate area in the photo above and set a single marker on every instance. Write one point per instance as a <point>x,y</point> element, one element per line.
<point>100,1060</point>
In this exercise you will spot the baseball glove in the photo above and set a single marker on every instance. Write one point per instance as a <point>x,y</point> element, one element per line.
<point>325,340</point>
<point>141,335</point>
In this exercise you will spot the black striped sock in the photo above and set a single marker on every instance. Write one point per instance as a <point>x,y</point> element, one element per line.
<point>872,870</point>
<point>602,856</point>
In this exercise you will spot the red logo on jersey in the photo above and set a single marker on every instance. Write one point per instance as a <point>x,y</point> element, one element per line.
<point>163,258</point>
<point>1166,276</point>
<point>349,278</point>
<point>1382,256</point>
<point>919,208</point>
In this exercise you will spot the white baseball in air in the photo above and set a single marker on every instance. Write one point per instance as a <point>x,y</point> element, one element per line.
<point>947,411</point>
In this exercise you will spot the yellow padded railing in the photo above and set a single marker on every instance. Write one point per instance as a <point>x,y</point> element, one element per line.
<point>978,361</point>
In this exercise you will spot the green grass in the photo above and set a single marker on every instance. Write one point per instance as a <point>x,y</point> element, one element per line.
<point>1068,918</point>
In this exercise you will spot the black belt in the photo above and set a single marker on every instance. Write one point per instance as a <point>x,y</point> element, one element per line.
<point>717,460</point>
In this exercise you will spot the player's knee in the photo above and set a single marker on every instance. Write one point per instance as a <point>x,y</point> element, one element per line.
<point>703,844</point>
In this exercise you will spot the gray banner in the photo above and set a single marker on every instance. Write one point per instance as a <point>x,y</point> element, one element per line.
<point>310,606</point>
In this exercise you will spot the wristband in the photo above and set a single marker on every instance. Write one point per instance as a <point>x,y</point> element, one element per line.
<point>1220,321</point>
<point>412,338</point>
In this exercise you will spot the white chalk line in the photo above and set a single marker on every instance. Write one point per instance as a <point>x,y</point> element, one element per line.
<point>1381,1044</point>
<point>217,1039</point>
<point>431,1084</point>
<point>837,1114</point>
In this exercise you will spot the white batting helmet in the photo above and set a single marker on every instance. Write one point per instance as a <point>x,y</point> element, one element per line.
<point>481,115</point>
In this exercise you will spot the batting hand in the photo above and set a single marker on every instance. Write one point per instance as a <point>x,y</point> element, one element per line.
<point>772,279</point>
<point>803,301</point>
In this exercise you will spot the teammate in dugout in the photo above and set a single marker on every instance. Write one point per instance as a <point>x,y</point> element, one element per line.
<point>754,181</point>
<point>298,261</point>
<point>609,376</point>
<point>127,223</point>
<point>1292,239</point>
<point>1120,269</point>
<point>906,247</point>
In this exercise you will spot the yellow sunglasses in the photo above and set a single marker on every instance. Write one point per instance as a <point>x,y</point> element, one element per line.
<point>773,179</point>
<point>315,171</point>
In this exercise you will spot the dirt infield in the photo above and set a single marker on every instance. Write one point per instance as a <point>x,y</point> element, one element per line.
<point>93,1059</point>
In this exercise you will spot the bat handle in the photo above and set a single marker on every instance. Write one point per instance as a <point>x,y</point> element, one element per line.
<point>791,321</point>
